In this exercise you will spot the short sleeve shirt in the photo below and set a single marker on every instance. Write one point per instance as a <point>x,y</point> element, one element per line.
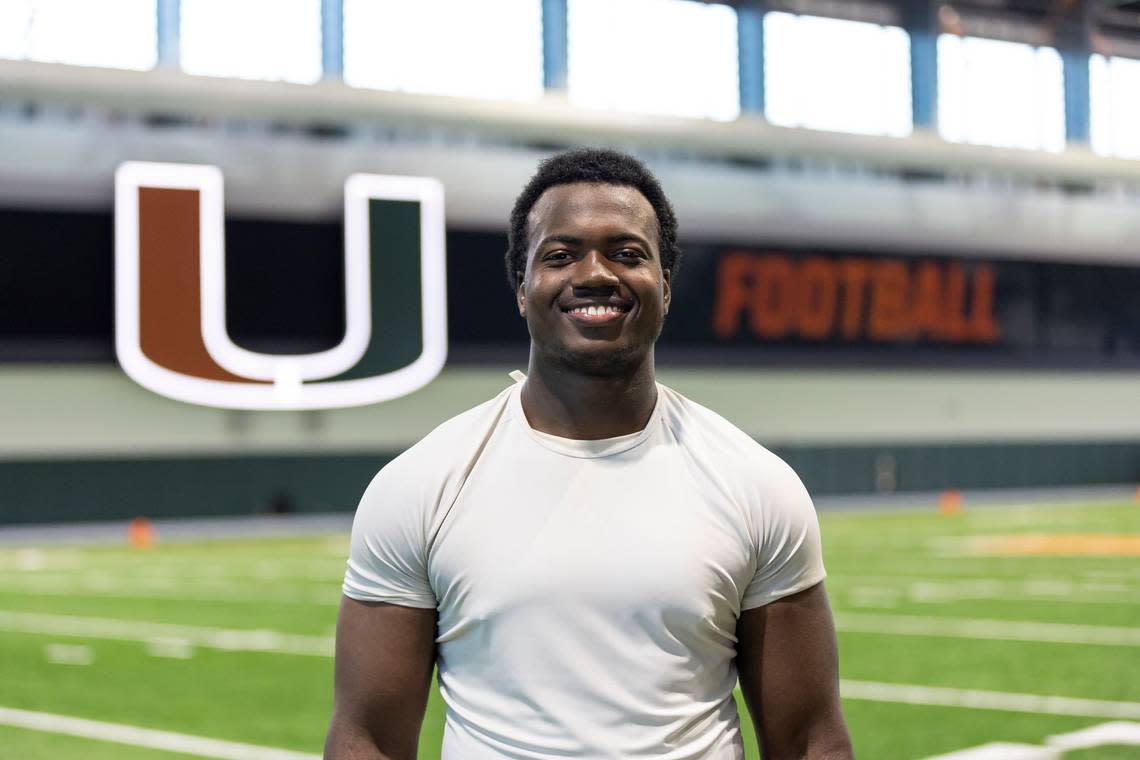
<point>587,592</point>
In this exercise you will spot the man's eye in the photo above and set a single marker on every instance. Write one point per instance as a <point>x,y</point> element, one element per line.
<point>557,256</point>
<point>628,253</point>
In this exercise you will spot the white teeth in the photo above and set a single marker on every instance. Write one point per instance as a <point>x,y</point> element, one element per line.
<point>595,311</point>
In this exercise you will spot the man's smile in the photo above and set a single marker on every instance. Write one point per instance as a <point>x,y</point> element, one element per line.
<point>597,314</point>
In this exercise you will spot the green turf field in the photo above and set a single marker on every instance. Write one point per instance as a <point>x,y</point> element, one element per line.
<point>951,629</point>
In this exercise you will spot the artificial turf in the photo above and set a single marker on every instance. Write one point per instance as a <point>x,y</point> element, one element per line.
<point>883,565</point>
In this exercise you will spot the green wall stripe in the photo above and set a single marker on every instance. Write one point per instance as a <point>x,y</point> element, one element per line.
<point>105,489</point>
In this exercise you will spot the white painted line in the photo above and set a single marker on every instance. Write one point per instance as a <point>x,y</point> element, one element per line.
<point>131,630</point>
<point>167,588</point>
<point>102,587</point>
<point>1106,734</point>
<point>145,737</point>
<point>938,589</point>
<point>938,696</point>
<point>1002,751</point>
<point>1120,733</point>
<point>177,649</point>
<point>977,628</point>
<point>69,654</point>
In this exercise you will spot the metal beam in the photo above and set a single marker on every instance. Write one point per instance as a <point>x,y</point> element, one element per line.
<point>920,19</point>
<point>169,19</point>
<point>555,45</point>
<point>332,39</point>
<point>750,51</point>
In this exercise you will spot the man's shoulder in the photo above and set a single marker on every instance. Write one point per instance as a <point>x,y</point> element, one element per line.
<point>735,453</point>
<point>454,436</point>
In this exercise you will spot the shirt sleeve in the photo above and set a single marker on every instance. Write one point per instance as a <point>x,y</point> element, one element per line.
<point>789,556</point>
<point>387,559</point>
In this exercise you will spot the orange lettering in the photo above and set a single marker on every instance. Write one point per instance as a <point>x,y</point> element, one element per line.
<point>734,292</point>
<point>774,299</point>
<point>983,328</point>
<point>927,307</point>
<point>953,321</point>
<point>817,296</point>
<point>854,274</point>
<point>889,318</point>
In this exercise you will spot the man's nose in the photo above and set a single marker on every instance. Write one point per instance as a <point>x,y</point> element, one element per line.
<point>593,271</point>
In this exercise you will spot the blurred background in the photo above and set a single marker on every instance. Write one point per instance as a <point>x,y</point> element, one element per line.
<point>912,269</point>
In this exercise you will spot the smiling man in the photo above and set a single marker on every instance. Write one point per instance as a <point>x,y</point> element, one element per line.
<point>591,559</point>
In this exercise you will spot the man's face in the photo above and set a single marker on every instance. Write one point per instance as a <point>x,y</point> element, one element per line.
<point>594,294</point>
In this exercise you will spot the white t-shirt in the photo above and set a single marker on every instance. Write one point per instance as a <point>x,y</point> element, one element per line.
<point>587,591</point>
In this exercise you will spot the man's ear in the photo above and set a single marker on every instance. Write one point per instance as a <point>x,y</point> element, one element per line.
<point>668,274</point>
<point>520,295</point>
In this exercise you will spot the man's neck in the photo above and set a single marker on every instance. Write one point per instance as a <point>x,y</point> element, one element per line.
<point>559,401</point>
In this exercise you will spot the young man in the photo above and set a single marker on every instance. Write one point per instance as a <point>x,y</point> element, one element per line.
<point>590,558</point>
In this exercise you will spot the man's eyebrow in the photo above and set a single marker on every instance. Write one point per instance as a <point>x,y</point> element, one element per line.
<point>627,237</point>
<point>564,239</point>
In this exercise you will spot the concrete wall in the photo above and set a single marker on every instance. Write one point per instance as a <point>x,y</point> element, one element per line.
<point>96,411</point>
<point>86,443</point>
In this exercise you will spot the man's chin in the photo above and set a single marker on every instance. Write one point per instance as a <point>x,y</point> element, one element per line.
<point>610,361</point>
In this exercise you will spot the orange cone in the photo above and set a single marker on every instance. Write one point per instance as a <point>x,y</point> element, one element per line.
<point>950,502</point>
<point>141,533</point>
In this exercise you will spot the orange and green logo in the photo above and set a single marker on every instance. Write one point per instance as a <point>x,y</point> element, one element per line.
<point>170,295</point>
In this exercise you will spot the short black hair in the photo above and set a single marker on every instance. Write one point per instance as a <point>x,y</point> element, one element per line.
<point>602,166</point>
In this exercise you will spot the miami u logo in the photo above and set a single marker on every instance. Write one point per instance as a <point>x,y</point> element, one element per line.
<point>170,295</point>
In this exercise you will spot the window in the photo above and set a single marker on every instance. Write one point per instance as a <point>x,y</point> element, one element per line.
<point>1115,107</point>
<point>488,49</point>
<point>682,61</point>
<point>1006,94</point>
<point>845,76</point>
<point>278,40</point>
<point>120,34</point>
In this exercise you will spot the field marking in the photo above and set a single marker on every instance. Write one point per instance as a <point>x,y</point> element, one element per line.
<point>978,699</point>
<point>986,629</point>
<point>891,590</point>
<point>229,639</point>
<point>202,592</point>
<point>69,654</point>
<point>145,737</point>
<point>1106,734</point>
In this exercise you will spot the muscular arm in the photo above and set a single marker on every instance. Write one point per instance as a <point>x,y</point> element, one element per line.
<point>788,666</point>
<point>384,659</point>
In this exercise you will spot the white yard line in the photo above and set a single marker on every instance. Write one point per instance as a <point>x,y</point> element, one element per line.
<point>942,590</point>
<point>229,639</point>
<point>938,696</point>
<point>977,628</point>
<point>103,586</point>
<point>145,737</point>
<point>1106,734</point>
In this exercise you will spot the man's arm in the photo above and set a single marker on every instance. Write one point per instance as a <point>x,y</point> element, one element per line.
<point>789,672</point>
<point>385,654</point>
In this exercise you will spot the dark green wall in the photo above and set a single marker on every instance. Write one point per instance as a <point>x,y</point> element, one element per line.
<point>87,489</point>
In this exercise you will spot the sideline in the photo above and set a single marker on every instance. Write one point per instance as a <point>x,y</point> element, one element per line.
<point>979,628</point>
<point>263,640</point>
<point>1106,734</point>
<point>230,639</point>
<point>145,737</point>
<point>977,699</point>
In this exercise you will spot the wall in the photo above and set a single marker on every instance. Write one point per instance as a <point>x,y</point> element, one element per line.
<point>86,443</point>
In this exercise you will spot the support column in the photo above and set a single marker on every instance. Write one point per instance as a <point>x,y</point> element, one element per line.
<point>920,19</point>
<point>555,45</point>
<point>750,52</point>
<point>332,39</point>
<point>1075,45</point>
<point>169,20</point>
